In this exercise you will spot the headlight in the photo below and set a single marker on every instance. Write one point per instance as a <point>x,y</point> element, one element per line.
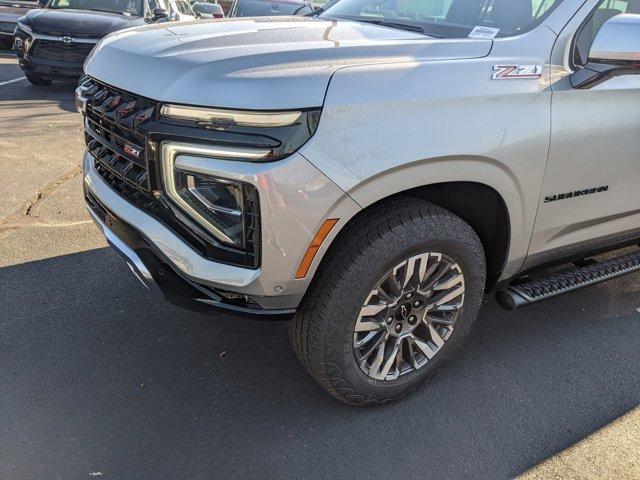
<point>219,205</point>
<point>214,203</point>
<point>223,207</point>
<point>24,26</point>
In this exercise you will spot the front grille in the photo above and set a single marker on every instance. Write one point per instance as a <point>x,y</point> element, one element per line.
<point>112,137</point>
<point>58,51</point>
<point>7,27</point>
<point>121,133</point>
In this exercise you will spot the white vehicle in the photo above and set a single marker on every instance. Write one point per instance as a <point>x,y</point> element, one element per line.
<point>371,171</point>
<point>177,10</point>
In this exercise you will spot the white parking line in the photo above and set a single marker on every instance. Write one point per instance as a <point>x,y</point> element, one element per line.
<point>12,81</point>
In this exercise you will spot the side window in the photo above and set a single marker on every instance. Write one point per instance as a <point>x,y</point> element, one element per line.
<point>605,10</point>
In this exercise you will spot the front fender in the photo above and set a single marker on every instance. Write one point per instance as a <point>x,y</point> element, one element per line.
<point>390,128</point>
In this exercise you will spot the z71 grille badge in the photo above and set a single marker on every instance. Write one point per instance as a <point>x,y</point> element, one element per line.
<point>515,72</point>
<point>130,150</point>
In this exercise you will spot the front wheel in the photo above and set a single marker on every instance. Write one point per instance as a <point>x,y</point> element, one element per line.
<point>390,304</point>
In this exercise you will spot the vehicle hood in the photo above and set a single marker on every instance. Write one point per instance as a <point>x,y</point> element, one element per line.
<point>78,23</point>
<point>257,63</point>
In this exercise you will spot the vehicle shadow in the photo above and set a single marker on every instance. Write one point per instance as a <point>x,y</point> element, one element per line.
<point>96,376</point>
<point>22,94</point>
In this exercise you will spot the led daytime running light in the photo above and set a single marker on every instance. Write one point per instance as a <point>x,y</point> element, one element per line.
<point>231,117</point>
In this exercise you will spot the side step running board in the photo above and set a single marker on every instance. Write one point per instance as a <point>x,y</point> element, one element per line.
<point>533,291</point>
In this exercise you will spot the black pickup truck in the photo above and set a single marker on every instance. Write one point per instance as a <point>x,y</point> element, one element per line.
<point>52,42</point>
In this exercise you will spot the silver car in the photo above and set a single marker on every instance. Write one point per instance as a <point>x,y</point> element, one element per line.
<point>371,171</point>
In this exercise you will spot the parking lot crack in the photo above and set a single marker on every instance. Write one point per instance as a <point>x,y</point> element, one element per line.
<point>22,217</point>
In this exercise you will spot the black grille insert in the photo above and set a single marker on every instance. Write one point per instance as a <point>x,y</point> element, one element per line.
<point>74,52</point>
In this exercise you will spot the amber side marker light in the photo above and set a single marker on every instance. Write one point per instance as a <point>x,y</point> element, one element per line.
<point>314,246</point>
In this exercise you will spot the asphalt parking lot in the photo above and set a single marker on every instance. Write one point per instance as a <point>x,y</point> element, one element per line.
<point>99,381</point>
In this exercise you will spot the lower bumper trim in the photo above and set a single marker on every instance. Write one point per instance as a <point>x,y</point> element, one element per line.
<point>50,69</point>
<point>135,263</point>
<point>161,279</point>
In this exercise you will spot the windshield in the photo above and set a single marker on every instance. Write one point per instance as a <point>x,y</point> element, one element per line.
<point>125,7</point>
<point>207,8</point>
<point>258,8</point>
<point>448,18</point>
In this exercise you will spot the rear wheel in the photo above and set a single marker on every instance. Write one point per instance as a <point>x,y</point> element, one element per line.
<point>37,79</point>
<point>391,303</point>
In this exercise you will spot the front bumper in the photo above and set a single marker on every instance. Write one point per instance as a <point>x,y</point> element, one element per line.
<point>51,69</point>
<point>295,199</point>
<point>161,279</point>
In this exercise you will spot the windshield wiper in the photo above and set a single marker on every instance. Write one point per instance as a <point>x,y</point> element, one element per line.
<point>105,11</point>
<point>295,12</point>
<point>399,25</point>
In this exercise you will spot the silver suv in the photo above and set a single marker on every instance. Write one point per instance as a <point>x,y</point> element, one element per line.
<point>371,171</point>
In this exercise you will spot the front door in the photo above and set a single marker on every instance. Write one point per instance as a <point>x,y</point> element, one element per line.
<point>591,191</point>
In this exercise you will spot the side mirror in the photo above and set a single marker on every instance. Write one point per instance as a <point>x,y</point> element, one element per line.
<point>615,51</point>
<point>42,3</point>
<point>618,41</point>
<point>159,13</point>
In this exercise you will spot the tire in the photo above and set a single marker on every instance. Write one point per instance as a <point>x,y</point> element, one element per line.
<point>322,331</point>
<point>37,79</point>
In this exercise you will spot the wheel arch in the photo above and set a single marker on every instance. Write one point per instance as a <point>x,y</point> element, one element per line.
<point>479,205</point>
<point>483,209</point>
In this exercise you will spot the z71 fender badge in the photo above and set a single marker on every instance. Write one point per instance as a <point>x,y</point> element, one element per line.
<point>509,72</point>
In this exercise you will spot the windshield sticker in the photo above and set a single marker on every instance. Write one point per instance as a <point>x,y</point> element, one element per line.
<point>484,32</point>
